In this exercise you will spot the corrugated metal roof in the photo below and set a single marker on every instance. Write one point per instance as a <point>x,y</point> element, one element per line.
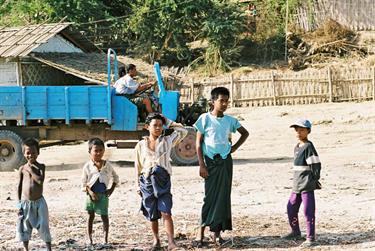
<point>20,41</point>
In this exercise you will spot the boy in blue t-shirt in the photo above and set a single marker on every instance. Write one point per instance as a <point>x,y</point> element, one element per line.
<point>214,148</point>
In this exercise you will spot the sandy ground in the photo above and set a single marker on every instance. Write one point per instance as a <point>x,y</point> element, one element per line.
<point>344,135</point>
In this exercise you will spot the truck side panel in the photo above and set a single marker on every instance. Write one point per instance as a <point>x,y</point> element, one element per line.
<point>10,103</point>
<point>67,103</point>
<point>125,114</point>
<point>78,102</point>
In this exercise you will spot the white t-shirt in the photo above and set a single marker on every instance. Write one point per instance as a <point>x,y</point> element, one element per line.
<point>126,85</point>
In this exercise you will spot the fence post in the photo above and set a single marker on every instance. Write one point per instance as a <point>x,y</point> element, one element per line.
<point>273,87</point>
<point>232,91</point>
<point>192,90</point>
<point>330,84</point>
<point>373,83</point>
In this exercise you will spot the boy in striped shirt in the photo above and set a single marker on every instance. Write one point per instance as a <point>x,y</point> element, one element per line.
<point>306,179</point>
<point>154,172</point>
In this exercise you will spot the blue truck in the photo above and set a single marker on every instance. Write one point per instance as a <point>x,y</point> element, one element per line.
<point>72,113</point>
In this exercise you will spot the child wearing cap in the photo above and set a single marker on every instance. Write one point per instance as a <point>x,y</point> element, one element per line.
<point>305,180</point>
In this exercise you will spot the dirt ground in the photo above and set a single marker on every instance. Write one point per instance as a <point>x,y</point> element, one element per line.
<point>343,134</point>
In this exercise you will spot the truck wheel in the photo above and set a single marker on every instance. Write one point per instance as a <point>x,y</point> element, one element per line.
<point>11,155</point>
<point>184,154</point>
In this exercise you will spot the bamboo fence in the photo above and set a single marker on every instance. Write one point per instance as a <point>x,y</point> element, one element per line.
<point>279,88</point>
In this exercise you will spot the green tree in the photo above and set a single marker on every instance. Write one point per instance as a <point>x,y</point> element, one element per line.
<point>154,29</point>
<point>21,12</point>
<point>166,27</point>
<point>267,43</point>
<point>222,29</point>
<point>158,27</point>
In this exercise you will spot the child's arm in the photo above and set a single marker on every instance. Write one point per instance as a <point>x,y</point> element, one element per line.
<point>93,195</point>
<point>244,134</point>
<point>315,168</point>
<point>145,86</point>
<point>138,167</point>
<point>312,159</point>
<point>84,180</point>
<point>115,182</point>
<point>110,191</point>
<point>85,187</point>
<point>179,132</point>
<point>36,177</point>
<point>20,180</point>
<point>202,166</point>
<point>19,190</point>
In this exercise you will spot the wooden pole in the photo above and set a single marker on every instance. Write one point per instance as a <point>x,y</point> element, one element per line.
<point>192,91</point>
<point>19,72</point>
<point>330,84</point>
<point>231,91</point>
<point>286,31</point>
<point>273,87</point>
<point>373,83</point>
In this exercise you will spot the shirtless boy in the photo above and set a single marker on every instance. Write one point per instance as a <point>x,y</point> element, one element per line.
<point>33,210</point>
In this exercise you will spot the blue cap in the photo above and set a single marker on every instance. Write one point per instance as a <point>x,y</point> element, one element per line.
<point>302,123</point>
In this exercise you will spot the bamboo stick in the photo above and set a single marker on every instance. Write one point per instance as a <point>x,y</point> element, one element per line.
<point>231,90</point>
<point>330,85</point>
<point>192,91</point>
<point>273,87</point>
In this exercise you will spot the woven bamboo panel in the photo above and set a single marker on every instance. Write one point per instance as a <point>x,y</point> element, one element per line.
<point>254,90</point>
<point>308,87</point>
<point>288,88</point>
<point>353,84</point>
<point>40,74</point>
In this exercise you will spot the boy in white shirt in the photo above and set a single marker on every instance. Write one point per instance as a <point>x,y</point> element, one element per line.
<point>96,176</point>
<point>153,170</point>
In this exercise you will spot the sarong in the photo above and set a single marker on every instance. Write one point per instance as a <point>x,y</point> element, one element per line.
<point>156,193</point>
<point>216,209</point>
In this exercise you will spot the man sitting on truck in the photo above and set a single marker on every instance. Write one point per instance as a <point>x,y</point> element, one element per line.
<point>135,92</point>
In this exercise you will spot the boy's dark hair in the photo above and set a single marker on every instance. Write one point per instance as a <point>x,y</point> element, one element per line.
<point>30,142</point>
<point>219,91</point>
<point>121,71</point>
<point>155,115</point>
<point>95,142</point>
<point>130,67</point>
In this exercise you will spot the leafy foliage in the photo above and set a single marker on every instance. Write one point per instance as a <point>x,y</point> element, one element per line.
<point>19,12</point>
<point>164,30</point>
<point>165,26</point>
<point>267,43</point>
<point>222,28</point>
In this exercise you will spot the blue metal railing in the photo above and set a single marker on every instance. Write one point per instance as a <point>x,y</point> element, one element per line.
<point>115,71</point>
<point>159,78</point>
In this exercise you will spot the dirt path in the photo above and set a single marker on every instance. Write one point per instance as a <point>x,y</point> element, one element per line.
<point>344,135</point>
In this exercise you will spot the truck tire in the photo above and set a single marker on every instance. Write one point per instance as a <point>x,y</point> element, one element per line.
<point>184,154</point>
<point>11,155</point>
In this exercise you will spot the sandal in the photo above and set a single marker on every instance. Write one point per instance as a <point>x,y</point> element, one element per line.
<point>197,243</point>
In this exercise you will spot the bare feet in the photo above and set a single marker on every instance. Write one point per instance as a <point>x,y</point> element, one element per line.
<point>172,246</point>
<point>217,238</point>
<point>156,245</point>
